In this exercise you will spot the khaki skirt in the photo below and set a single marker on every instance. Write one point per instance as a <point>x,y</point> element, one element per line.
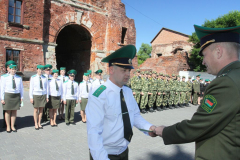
<point>12,101</point>
<point>83,103</point>
<point>39,101</point>
<point>54,102</point>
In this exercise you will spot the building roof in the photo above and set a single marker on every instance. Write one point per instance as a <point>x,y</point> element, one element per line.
<point>170,31</point>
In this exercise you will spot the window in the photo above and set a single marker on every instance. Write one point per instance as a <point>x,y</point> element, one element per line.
<point>14,11</point>
<point>13,55</point>
<point>124,30</point>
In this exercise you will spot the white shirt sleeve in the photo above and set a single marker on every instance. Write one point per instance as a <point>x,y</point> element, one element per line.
<point>3,85</point>
<point>31,87</point>
<point>95,128</point>
<point>21,88</point>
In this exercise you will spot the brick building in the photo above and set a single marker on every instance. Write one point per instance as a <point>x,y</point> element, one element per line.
<point>170,52</point>
<point>76,34</point>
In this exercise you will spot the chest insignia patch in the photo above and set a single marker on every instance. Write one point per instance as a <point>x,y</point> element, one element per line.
<point>209,103</point>
<point>99,90</point>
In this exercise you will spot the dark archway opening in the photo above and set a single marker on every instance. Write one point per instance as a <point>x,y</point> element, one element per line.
<point>74,49</point>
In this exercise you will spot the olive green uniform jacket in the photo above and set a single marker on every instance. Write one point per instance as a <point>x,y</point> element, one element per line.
<point>215,127</point>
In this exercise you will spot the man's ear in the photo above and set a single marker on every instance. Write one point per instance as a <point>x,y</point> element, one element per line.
<point>219,51</point>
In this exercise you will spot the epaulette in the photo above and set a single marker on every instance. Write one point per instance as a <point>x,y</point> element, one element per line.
<point>5,75</point>
<point>81,82</point>
<point>224,74</point>
<point>99,90</point>
<point>34,75</point>
<point>65,81</point>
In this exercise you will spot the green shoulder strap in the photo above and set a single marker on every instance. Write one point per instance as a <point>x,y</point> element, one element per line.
<point>99,90</point>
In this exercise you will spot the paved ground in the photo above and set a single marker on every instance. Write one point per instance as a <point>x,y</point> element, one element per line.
<point>70,142</point>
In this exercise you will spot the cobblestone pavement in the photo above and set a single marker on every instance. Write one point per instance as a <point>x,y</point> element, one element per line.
<point>70,142</point>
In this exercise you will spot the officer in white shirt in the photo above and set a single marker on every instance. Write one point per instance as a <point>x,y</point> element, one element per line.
<point>11,96</point>
<point>55,96</point>
<point>112,110</point>
<point>38,93</point>
<point>70,97</point>
<point>7,64</point>
<point>63,78</point>
<point>98,81</point>
<point>48,74</point>
<point>84,88</point>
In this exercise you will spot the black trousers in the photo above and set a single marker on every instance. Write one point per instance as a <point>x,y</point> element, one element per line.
<point>122,156</point>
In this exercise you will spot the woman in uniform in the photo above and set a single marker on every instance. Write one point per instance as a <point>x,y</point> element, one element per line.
<point>55,96</point>
<point>12,96</point>
<point>38,94</point>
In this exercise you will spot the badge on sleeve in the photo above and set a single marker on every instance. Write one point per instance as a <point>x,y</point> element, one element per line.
<point>209,103</point>
<point>99,90</point>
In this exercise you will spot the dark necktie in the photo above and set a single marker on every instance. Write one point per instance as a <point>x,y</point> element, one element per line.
<point>41,86</point>
<point>72,89</point>
<point>128,133</point>
<point>13,83</point>
<point>57,88</point>
<point>87,87</point>
<point>63,79</point>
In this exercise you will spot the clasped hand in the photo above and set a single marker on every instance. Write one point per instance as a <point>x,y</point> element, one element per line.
<point>157,131</point>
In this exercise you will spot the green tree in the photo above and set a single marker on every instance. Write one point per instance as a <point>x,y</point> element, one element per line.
<point>144,53</point>
<point>228,20</point>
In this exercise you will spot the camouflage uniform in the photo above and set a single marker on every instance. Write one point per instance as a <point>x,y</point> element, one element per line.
<point>172,92</point>
<point>160,87</point>
<point>136,84</point>
<point>153,89</point>
<point>166,90</point>
<point>189,93</point>
<point>178,90</point>
<point>184,90</point>
<point>144,97</point>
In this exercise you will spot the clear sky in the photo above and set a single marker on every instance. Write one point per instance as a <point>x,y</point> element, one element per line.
<point>179,15</point>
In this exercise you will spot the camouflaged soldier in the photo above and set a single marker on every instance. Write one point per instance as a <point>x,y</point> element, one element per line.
<point>153,90</point>
<point>196,90</point>
<point>166,92</point>
<point>184,91</point>
<point>144,93</point>
<point>159,99</point>
<point>189,92</point>
<point>172,84</point>
<point>137,82</point>
<point>178,90</point>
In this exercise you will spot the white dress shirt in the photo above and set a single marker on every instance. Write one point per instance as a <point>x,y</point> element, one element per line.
<point>52,87</point>
<point>83,89</point>
<point>7,85</point>
<point>48,76</point>
<point>67,88</point>
<point>96,83</point>
<point>35,86</point>
<point>61,78</point>
<point>104,121</point>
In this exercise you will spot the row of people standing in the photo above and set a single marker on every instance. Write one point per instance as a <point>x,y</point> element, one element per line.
<point>152,88</point>
<point>48,92</point>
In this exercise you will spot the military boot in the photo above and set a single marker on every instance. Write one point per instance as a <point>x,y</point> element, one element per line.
<point>143,111</point>
<point>176,106</point>
<point>159,109</point>
<point>170,107</point>
<point>151,109</point>
<point>187,104</point>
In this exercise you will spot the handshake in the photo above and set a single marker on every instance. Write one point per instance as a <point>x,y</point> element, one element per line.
<point>156,131</point>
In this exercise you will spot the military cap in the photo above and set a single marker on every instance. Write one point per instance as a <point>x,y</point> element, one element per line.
<point>72,72</point>
<point>160,74</point>
<point>163,75</point>
<point>193,79</point>
<point>189,77</point>
<point>55,71</point>
<point>62,68</point>
<point>10,62</point>
<point>201,78</point>
<point>89,71</point>
<point>166,75</point>
<point>198,75</point>
<point>99,72</point>
<point>122,57</point>
<point>40,67</point>
<point>208,36</point>
<point>142,72</point>
<point>13,66</point>
<point>48,67</point>
<point>173,75</point>
<point>86,74</point>
<point>179,76</point>
<point>154,72</point>
<point>183,77</point>
<point>138,70</point>
<point>206,80</point>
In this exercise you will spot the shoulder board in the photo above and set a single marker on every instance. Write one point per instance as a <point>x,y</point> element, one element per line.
<point>66,81</point>
<point>49,78</point>
<point>5,75</point>
<point>224,74</point>
<point>81,82</point>
<point>99,90</point>
<point>43,76</point>
<point>34,75</point>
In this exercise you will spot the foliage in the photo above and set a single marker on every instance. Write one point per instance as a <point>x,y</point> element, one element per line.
<point>144,53</point>
<point>228,20</point>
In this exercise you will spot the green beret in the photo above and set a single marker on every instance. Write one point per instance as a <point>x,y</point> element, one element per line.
<point>99,72</point>
<point>48,67</point>
<point>62,68</point>
<point>89,71</point>
<point>55,71</point>
<point>86,74</point>
<point>208,36</point>
<point>8,63</point>
<point>122,57</point>
<point>40,67</point>
<point>198,75</point>
<point>72,72</point>
<point>13,66</point>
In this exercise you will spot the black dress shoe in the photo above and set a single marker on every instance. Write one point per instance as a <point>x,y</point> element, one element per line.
<point>9,131</point>
<point>55,125</point>
<point>67,124</point>
<point>14,130</point>
<point>52,125</point>
<point>40,127</point>
<point>36,128</point>
<point>72,123</point>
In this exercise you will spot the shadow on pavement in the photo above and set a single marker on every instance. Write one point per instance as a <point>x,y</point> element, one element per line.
<point>178,155</point>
